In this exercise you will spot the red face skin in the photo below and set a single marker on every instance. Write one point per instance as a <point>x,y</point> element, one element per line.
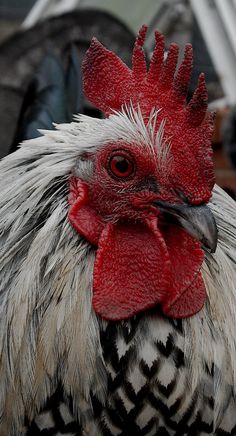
<point>110,85</point>
<point>115,196</point>
<point>142,260</point>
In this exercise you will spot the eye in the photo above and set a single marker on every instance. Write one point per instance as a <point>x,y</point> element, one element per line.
<point>121,166</point>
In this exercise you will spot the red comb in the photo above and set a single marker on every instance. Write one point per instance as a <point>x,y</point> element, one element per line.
<point>109,84</point>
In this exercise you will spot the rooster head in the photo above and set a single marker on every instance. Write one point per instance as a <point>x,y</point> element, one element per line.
<point>143,200</point>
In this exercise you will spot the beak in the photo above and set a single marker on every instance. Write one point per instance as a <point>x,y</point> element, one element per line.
<point>198,221</point>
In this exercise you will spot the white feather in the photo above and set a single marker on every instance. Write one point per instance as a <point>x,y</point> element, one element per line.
<point>48,330</point>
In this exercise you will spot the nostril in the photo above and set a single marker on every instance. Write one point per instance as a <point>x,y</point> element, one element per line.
<point>148,184</point>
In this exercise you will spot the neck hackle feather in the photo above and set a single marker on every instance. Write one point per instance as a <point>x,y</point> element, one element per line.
<point>49,333</point>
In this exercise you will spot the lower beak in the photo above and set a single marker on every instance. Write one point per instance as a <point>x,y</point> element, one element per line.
<point>198,221</point>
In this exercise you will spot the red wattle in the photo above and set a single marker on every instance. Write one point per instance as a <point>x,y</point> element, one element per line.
<point>188,293</point>
<point>139,264</point>
<point>131,271</point>
<point>190,301</point>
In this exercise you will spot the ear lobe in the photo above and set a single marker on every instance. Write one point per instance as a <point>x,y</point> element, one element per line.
<point>82,217</point>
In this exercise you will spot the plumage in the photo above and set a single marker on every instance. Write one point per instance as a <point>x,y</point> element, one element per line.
<point>66,368</point>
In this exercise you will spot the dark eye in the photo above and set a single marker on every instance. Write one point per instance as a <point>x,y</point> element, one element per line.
<point>121,166</point>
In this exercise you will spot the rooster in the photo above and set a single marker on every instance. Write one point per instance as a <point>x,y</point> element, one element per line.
<point>118,253</point>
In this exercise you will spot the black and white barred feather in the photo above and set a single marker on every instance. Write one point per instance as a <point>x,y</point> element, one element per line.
<point>63,370</point>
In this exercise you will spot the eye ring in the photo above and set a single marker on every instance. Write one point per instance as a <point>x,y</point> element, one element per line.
<point>121,166</point>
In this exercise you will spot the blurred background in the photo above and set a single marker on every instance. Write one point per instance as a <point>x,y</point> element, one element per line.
<point>52,35</point>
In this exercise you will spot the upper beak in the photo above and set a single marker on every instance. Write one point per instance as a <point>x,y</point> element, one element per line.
<point>198,221</point>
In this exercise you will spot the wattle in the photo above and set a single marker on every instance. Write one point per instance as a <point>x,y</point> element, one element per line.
<point>139,265</point>
<point>131,271</point>
<point>188,293</point>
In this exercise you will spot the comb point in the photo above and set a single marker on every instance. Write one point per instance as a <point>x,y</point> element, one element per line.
<point>197,107</point>
<point>141,35</point>
<point>156,63</point>
<point>138,58</point>
<point>104,75</point>
<point>159,37</point>
<point>181,82</point>
<point>170,65</point>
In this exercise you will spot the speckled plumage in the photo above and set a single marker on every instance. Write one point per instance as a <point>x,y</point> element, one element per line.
<point>65,370</point>
<point>54,337</point>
